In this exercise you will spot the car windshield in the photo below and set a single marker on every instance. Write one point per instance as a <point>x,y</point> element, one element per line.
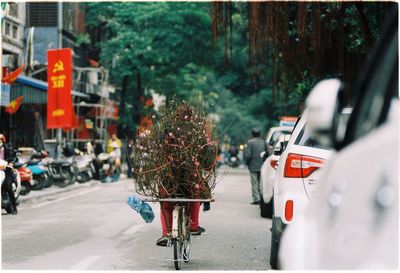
<point>275,136</point>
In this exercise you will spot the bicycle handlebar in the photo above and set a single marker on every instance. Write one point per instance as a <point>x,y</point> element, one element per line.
<point>178,200</point>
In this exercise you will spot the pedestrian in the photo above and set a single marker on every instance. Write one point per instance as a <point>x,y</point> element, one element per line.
<point>38,134</point>
<point>98,148</point>
<point>175,158</point>
<point>254,161</point>
<point>116,155</point>
<point>183,113</point>
<point>233,150</point>
<point>129,157</point>
<point>114,139</point>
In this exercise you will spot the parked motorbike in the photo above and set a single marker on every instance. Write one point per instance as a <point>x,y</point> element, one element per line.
<point>40,174</point>
<point>62,171</point>
<point>25,174</point>
<point>46,162</point>
<point>233,162</point>
<point>5,199</point>
<point>37,163</point>
<point>107,167</point>
<point>84,166</point>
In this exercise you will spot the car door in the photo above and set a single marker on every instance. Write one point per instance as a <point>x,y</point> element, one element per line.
<point>361,208</point>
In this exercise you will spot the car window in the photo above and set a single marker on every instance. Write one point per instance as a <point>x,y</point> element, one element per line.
<point>377,88</point>
<point>304,139</point>
<point>283,137</point>
<point>372,106</point>
<point>274,137</point>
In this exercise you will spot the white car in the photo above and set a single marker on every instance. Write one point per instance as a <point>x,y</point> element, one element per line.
<point>296,178</point>
<point>273,134</point>
<point>353,221</point>
<point>267,175</point>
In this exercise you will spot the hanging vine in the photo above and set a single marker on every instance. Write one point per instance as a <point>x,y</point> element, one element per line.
<point>306,38</point>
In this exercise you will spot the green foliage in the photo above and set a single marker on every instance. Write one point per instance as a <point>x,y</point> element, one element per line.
<point>167,47</point>
<point>83,38</point>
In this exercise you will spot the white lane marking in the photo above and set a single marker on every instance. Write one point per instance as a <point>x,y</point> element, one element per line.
<point>63,198</point>
<point>85,263</point>
<point>133,230</point>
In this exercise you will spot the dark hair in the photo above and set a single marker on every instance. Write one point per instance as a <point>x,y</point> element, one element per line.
<point>255,132</point>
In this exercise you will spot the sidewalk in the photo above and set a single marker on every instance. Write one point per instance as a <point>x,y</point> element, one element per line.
<point>54,189</point>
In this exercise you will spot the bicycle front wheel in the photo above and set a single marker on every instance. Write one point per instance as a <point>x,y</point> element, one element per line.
<point>186,249</point>
<point>178,242</point>
<point>178,253</point>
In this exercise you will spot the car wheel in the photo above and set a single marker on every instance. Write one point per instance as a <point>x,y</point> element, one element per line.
<point>277,229</point>
<point>266,209</point>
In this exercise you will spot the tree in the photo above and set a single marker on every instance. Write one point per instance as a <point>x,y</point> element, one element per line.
<point>305,40</point>
<point>271,54</point>
<point>147,45</point>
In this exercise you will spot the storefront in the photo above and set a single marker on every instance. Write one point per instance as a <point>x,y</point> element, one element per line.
<point>24,126</point>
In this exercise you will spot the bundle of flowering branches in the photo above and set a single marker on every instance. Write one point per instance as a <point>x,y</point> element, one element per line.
<point>176,156</point>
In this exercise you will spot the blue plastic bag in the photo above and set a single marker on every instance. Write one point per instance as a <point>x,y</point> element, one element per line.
<point>143,208</point>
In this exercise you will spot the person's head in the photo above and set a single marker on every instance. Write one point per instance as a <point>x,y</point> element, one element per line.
<point>255,132</point>
<point>36,114</point>
<point>2,140</point>
<point>114,136</point>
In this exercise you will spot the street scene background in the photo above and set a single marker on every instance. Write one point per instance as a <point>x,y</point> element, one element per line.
<point>91,227</point>
<point>292,108</point>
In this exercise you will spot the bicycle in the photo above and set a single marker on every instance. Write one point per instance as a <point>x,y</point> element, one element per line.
<point>180,236</point>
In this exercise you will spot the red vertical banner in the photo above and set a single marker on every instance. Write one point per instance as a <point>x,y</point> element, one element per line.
<point>59,98</point>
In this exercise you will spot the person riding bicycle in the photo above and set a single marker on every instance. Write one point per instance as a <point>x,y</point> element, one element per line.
<point>182,175</point>
<point>6,153</point>
<point>175,158</point>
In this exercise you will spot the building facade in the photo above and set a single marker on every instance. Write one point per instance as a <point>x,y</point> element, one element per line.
<point>12,34</point>
<point>29,30</point>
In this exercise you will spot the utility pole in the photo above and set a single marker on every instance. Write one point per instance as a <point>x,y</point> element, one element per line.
<point>59,46</point>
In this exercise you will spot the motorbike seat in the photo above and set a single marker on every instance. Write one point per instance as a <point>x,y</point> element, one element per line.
<point>60,162</point>
<point>18,165</point>
<point>34,161</point>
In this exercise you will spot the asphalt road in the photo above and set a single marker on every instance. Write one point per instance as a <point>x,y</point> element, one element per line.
<point>90,227</point>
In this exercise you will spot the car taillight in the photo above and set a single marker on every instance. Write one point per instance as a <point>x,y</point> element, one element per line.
<point>300,166</point>
<point>274,163</point>
<point>289,210</point>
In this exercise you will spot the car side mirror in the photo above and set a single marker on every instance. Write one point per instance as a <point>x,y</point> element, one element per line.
<point>321,105</point>
<point>340,124</point>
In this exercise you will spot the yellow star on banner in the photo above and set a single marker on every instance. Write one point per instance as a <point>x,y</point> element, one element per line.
<point>58,113</point>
